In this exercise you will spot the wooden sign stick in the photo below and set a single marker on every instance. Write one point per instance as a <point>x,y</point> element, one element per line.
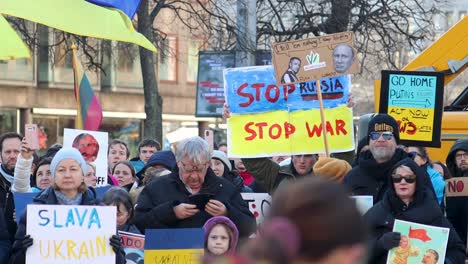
<point>322,117</point>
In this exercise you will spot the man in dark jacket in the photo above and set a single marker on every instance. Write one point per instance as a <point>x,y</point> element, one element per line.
<point>369,177</point>
<point>191,195</point>
<point>10,145</point>
<point>457,207</point>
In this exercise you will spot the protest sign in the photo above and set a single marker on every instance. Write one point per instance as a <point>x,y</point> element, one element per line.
<point>415,100</point>
<point>70,234</point>
<point>416,241</point>
<point>21,201</point>
<point>92,146</point>
<point>179,245</point>
<point>210,91</point>
<point>314,58</point>
<point>134,245</point>
<point>455,187</point>
<point>254,90</point>
<point>259,205</point>
<point>283,133</point>
<point>363,202</point>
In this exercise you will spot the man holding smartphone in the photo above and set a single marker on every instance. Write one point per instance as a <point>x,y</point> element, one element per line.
<point>171,201</point>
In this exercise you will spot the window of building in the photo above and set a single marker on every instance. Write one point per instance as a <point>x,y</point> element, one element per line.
<point>8,119</point>
<point>192,60</point>
<point>168,59</point>
<point>128,66</point>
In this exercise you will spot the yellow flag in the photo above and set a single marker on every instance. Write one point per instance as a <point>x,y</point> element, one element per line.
<point>78,17</point>
<point>12,46</point>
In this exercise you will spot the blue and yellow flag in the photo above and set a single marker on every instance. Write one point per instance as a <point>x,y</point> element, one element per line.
<point>78,17</point>
<point>12,46</point>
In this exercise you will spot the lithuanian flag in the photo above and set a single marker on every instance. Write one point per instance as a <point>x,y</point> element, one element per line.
<point>78,17</point>
<point>89,110</point>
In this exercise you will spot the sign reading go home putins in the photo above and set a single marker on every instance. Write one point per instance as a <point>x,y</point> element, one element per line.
<point>415,100</point>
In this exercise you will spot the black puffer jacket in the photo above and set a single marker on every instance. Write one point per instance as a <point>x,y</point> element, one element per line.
<point>48,197</point>
<point>155,206</point>
<point>370,177</point>
<point>423,209</point>
<point>7,203</point>
<point>457,207</point>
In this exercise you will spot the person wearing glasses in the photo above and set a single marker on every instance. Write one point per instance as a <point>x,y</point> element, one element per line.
<point>369,176</point>
<point>409,199</point>
<point>457,207</point>
<point>191,194</point>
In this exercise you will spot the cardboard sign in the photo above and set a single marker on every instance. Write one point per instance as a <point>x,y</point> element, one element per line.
<point>210,91</point>
<point>314,58</point>
<point>92,146</point>
<point>180,245</point>
<point>259,205</point>
<point>283,133</point>
<point>418,241</point>
<point>364,202</point>
<point>457,186</point>
<point>134,245</point>
<point>254,90</point>
<point>70,234</point>
<point>415,100</point>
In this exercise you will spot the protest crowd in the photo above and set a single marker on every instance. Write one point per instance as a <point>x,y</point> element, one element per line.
<point>195,187</point>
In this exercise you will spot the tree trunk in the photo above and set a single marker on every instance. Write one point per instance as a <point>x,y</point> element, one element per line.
<point>153,101</point>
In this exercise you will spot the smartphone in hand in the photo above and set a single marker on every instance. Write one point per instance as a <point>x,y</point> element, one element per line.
<point>31,133</point>
<point>209,138</point>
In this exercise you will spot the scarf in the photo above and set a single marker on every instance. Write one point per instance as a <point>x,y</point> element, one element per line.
<point>63,199</point>
<point>7,174</point>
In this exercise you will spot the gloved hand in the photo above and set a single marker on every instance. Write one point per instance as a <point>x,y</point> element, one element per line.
<point>389,240</point>
<point>22,243</point>
<point>116,244</point>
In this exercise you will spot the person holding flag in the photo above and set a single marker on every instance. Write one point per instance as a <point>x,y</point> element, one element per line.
<point>409,199</point>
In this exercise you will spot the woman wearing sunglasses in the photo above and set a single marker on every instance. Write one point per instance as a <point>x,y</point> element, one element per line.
<point>408,199</point>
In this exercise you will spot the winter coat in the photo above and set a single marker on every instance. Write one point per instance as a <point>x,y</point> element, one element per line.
<point>48,197</point>
<point>5,242</point>
<point>269,175</point>
<point>155,206</point>
<point>424,209</point>
<point>7,204</point>
<point>457,207</point>
<point>370,177</point>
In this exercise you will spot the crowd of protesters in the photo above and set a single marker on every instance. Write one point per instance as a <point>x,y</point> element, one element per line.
<point>195,187</point>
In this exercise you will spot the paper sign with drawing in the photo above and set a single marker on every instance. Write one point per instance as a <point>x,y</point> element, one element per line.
<point>418,242</point>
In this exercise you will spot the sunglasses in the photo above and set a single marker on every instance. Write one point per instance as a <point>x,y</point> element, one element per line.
<point>408,179</point>
<point>385,135</point>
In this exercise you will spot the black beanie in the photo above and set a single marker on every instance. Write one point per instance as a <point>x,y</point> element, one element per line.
<point>384,123</point>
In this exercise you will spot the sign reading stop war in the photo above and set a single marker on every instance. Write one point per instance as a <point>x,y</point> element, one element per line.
<point>414,99</point>
<point>289,133</point>
<point>314,58</point>
<point>254,90</point>
<point>457,186</point>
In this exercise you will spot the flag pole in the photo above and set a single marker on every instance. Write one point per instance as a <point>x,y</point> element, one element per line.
<point>76,85</point>
<point>322,117</point>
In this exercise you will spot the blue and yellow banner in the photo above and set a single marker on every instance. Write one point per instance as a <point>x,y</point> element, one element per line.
<point>12,46</point>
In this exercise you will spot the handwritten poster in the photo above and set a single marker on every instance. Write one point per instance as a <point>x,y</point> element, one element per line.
<point>418,242</point>
<point>180,245</point>
<point>456,186</point>
<point>363,202</point>
<point>92,146</point>
<point>70,234</point>
<point>259,205</point>
<point>210,91</point>
<point>254,90</point>
<point>314,58</point>
<point>134,246</point>
<point>415,100</point>
<point>283,133</point>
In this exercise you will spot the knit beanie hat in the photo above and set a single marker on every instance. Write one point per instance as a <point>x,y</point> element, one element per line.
<point>163,158</point>
<point>219,155</point>
<point>212,222</point>
<point>384,123</point>
<point>331,168</point>
<point>67,153</point>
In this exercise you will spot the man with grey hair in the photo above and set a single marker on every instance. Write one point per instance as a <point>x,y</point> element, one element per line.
<point>191,194</point>
<point>430,257</point>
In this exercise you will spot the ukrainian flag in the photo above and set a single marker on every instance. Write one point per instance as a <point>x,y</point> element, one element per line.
<point>12,46</point>
<point>78,17</point>
<point>89,110</point>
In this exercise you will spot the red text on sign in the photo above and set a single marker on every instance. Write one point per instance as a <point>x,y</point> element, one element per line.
<point>271,93</point>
